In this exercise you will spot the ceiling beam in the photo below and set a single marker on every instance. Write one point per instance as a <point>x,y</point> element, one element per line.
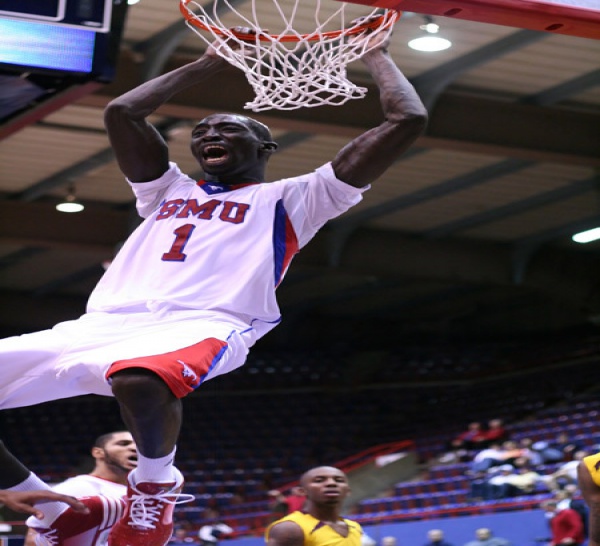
<point>513,208</point>
<point>431,83</point>
<point>564,90</point>
<point>459,121</point>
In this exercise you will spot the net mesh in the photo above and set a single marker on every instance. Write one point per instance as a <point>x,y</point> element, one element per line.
<point>290,69</point>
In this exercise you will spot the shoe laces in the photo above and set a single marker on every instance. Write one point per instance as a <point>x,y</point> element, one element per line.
<point>47,538</point>
<point>145,509</point>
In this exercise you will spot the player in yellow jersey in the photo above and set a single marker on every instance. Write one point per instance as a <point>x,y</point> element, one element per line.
<point>319,523</point>
<point>588,476</point>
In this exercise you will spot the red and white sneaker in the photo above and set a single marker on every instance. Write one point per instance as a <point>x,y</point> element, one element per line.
<point>76,529</point>
<point>148,518</point>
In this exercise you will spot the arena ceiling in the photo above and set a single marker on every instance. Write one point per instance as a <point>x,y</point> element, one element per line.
<point>468,235</point>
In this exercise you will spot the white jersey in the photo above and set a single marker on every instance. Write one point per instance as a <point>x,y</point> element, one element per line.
<point>217,248</point>
<point>88,486</point>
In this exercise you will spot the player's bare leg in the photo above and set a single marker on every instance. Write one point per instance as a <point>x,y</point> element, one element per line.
<point>153,415</point>
<point>150,410</point>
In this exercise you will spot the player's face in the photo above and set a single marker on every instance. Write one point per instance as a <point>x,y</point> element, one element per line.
<point>120,452</point>
<point>225,144</point>
<point>326,485</point>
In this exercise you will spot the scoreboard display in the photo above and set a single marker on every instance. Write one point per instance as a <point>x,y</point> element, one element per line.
<point>89,14</point>
<point>52,50</point>
<point>73,36</point>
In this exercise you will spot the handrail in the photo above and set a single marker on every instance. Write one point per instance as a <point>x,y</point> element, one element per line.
<point>364,457</point>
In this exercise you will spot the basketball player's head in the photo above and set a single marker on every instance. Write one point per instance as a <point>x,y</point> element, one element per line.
<point>325,485</point>
<point>115,452</point>
<point>232,147</point>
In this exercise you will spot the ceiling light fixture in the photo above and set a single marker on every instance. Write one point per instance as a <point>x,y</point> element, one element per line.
<point>429,42</point>
<point>70,204</point>
<point>587,236</point>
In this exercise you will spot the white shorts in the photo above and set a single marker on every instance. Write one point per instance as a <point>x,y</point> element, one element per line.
<point>74,358</point>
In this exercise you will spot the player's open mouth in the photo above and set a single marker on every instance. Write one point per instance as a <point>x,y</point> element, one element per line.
<point>214,154</point>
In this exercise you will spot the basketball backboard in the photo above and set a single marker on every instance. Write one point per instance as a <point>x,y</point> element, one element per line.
<point>572,17</point>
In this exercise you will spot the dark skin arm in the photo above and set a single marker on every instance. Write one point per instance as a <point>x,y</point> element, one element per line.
<point>286,533</point>
<point>141,151</point>
<point>591,494</point>
<point>23,501</point>
<point>368,156</point>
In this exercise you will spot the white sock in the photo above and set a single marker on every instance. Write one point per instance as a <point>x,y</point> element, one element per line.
<point>51,509</point>
<point>155,470</point>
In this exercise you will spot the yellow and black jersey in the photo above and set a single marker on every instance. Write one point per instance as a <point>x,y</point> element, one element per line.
<point>592,462</point>
<point>317,533</point>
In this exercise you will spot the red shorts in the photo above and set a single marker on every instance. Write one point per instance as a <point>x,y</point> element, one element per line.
<point>182,370</point>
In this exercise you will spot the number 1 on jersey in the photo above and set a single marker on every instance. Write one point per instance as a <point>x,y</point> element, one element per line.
<point>182,236</point>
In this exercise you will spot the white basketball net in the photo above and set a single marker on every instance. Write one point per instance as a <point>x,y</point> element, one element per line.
<point>289,69</point>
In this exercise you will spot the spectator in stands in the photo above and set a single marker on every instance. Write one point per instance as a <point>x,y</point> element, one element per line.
<point>436,538</point>
<point>286,504</point>
<point>495,455</point>
<point>566,473</point>
<point>320,522</point>
<point>569,498</point>
<point>495,485</point>
<point>472,438</point>
<point>181,538</point>
<point>522,482</point>
<point>277,505</point>
<point>562,449</point>
<point>534,456</point>
<point>114,455</point>
<point>484,537</point>
<point>296,499</point>
<point>495,432</point>
<point>506,481</point>
<point>565,525</point>
<point>527,455</point>
<point>487,458</point>
<point>211,533</point>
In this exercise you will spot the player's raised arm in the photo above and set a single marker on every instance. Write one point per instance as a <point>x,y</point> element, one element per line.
<point>140,150</point>
<point>368,156</point>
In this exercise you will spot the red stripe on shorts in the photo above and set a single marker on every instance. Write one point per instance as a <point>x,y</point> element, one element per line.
<point>182,370</point>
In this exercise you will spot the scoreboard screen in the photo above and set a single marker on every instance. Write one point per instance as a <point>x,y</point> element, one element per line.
<point>39,45</point>
<point>92,14</point>
<point>52,50</point>
<point>67,36</point>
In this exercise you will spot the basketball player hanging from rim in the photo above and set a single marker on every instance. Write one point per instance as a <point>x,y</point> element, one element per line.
<point>193,287</point>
